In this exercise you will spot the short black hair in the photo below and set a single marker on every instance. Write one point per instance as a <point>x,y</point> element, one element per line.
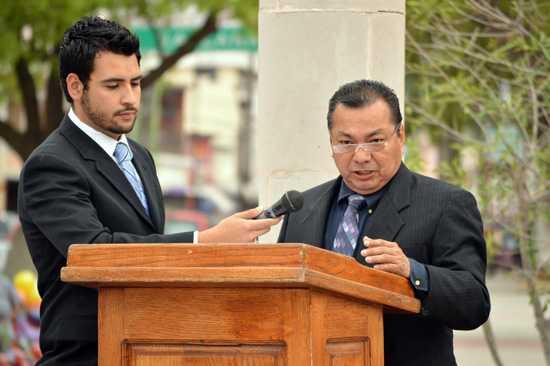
<point>363,93</point>
<point>83,40</point>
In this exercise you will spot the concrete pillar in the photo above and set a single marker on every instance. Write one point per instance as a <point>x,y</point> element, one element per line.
<point>307,49</point>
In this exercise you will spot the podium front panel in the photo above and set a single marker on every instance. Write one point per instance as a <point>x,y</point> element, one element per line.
<point>236,326</point>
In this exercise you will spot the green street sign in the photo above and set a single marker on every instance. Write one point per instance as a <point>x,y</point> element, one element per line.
<point>224,39</point>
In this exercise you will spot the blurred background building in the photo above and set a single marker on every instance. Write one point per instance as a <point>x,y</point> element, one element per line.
<point>199,120</point>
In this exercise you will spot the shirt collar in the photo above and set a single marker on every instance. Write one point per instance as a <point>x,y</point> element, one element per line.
<point>372,199</point>
<point>107,143</point>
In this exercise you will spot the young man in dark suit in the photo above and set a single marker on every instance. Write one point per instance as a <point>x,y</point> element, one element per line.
<point>89,183</point>
<point>417,227</point>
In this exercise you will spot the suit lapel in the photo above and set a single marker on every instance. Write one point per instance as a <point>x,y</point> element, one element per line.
<point>312,232</point>
<point>104,164</point>
<point>386,221</point>
<point>109,169</point>
<point>149,182</point>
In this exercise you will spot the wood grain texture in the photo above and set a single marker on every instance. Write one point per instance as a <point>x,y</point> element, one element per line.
<point>212,314</point>
<point>206,355</point>
<point>198,265</point>
<point>236,304</point>
<point>110,326</point>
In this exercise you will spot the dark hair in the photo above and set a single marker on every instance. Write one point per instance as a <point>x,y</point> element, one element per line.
<point>363,93</point>
<point>81,43</point>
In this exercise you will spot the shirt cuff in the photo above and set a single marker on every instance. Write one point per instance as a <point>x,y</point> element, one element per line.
<point>419,279</point>
<point>195,237</point>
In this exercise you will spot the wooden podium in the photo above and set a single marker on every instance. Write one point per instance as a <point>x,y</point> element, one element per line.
<point>236,304</point>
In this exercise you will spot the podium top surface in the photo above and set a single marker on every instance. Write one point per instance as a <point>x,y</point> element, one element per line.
<point>235,265</point>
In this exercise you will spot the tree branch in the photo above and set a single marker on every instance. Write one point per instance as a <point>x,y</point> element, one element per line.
<point>13,137</point>
<point>209,27</point>
<point>28,89</point>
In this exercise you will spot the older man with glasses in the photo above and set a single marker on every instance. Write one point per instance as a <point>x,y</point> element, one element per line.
<point>394,220</point>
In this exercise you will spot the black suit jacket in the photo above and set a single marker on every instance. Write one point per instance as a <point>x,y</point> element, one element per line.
<point>438,225</point>
<point>72,192</point>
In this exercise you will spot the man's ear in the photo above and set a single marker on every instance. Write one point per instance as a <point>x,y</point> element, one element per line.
<point>402,138</point>
<point>75,86</point>
<point>330,142</point>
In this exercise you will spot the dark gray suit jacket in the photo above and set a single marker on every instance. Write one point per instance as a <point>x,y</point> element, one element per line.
<point>438,225</point>
<point>72,192</point>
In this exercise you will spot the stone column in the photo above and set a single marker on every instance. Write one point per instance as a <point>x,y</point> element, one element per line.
<point>307,49</point>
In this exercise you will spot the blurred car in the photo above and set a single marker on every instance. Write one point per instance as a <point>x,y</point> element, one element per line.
<point>178,221</point>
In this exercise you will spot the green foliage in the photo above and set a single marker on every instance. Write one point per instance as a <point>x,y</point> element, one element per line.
<point>32,29</point>
<point>486,80</point>
<point>31,35</point>
<point>481,74</point>
<point>412,156</point>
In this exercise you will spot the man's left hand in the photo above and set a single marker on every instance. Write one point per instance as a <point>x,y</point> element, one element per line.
<point>387,255</point>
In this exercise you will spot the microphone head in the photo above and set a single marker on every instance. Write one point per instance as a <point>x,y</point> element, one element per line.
<point>292,201</point>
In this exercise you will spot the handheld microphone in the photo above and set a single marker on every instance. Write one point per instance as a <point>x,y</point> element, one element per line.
<point>291,201</point>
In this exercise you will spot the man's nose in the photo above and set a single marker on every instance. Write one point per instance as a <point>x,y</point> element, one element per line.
<point>361,154</point>
<point>129,96</point>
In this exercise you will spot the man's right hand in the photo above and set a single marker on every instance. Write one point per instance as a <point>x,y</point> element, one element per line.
<point>239,228</point>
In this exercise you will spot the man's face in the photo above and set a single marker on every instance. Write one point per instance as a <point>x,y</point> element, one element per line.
<point>110,104</point>
<point>366,172</point>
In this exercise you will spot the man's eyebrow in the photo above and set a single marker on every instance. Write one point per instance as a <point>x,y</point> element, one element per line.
<point>369,135</point>
<point>344,134</point>
<point>118,80</point>
<point>379,131</point>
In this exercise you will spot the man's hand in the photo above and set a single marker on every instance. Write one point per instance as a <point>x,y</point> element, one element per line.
<point>239,228</point>
<point>387,255</point>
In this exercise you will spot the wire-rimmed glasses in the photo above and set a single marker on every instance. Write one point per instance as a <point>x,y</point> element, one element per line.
<point>369,146</point>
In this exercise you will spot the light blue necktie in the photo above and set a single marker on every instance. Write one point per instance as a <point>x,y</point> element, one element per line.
<point>124,160</point>
<point>348,231</point>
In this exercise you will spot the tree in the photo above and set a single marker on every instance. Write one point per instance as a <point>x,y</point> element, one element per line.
<point>480,72</point>
<point>29,57</point>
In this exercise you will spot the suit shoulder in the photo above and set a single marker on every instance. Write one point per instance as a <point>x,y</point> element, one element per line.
<point>437,189</point>
<point>435,183</point>
<point>54,144</point>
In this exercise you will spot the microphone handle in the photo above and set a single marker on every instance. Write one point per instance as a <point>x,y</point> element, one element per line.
<point>266,214</point>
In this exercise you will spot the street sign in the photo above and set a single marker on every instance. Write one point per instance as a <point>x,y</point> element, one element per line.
<point>224,39</point>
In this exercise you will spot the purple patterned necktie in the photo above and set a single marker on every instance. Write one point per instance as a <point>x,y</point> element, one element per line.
<point>348,231</point>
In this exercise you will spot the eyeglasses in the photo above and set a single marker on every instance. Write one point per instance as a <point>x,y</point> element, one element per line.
<point>369,146</point>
